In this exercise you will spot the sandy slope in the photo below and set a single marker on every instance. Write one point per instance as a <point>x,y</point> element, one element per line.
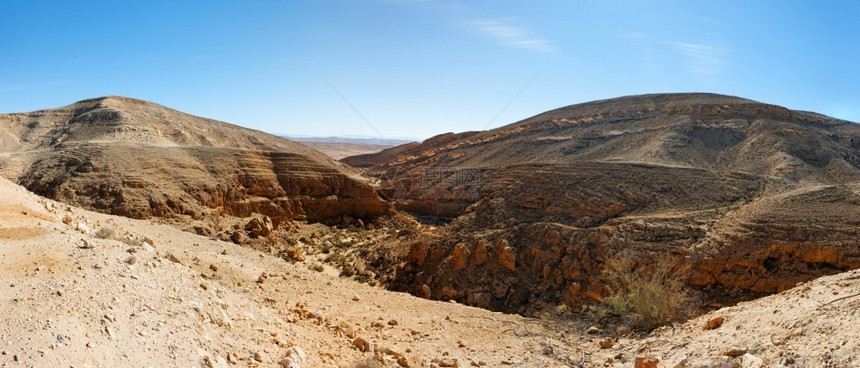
<point>71,298</point>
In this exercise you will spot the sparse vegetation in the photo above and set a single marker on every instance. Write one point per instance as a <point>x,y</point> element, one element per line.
<point>334,258</point>
<point>344,245</point>
<point>645,297</point>
<point>365,363</point>
<point>105,233</point>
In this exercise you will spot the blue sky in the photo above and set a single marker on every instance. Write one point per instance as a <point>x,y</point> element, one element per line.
<point>416,68</point>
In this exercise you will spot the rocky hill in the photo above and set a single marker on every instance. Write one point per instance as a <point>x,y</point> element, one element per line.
<point>754,198</point>
<point>141,160</point>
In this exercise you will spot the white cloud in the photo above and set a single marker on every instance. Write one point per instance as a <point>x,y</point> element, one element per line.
<point>24,87</point>
<point>504,32</point>
<point>703,59</point>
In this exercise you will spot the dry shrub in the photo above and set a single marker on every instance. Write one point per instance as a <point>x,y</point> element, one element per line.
<point>105,233</point>
<point>366,363</point>
<point>646,297</point>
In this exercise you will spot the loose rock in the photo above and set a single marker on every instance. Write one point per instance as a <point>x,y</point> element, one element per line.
<point>294,359</point>
<point>644,362</point>
<point>606,343</point>
<point>751,361</point>
<point>713,323</point>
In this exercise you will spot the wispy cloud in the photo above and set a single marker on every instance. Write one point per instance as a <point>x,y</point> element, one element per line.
<point>506,32</point>
<point>25,87</point>
<point>702,58</point>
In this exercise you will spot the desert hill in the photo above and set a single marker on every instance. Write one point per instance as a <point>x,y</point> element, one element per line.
<point>754,197</point>
<point>141,160</point>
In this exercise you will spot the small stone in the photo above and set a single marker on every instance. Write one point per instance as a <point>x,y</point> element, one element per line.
<point>606,343</point>
<point>213,267</point>
<point>751,361</point>
<point>61,338</point>
<point>110,318</point>
<point>388,351</point>
<point>448,362</point>
<point>713,323</point>
<point>86,245</point>
<point>347,330</point>
<point>362,344</point>
<point>232,358</point>
<point>173,258</point>
<point>410,360</point>
<point>425,291</point>
<point>294,359</point>
<point>508,258</point>
<point>734,352</point>
<point>482,252</point>
<point>239,237</point>
<point>131,260</point>
<point>644,362</point>
<point>260,357</point>
<point>460,258</point>
<point>355,297</point>
<point>204,286</point>
<point>392,323</point>
<point>450,292</point>
<point>593,330</point>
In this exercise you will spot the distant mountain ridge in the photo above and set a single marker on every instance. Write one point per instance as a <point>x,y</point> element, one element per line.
<point>351,139</point>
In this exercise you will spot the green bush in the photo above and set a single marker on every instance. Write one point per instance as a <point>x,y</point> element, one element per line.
<point>646,297</point>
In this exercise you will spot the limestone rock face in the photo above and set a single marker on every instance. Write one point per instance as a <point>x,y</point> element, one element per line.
<point>138,159</point>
